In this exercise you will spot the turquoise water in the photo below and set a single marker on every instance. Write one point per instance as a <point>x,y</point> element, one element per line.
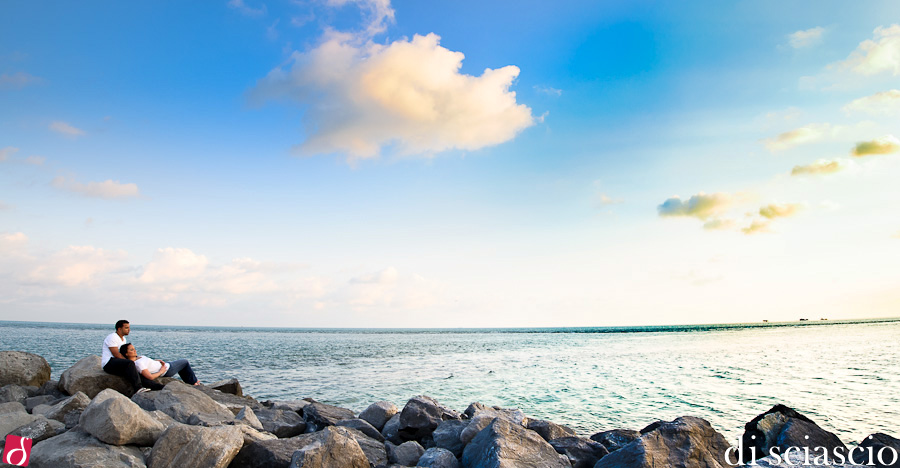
<point>843,375</point>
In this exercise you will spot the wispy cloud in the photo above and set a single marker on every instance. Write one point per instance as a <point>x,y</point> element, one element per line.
<point>821,166</point>
<point>887,144</point>
<point>548,90</point>
<point>806,38</point>
<point>756,227</point>
<point>108,189</point>
<point>5,153</point>
<point>247,10</point>
<point>379,13</point>
<point>701,205</point>
<point>886,103</point>
<point>877,55</point>
<point>65,129</point>
<point>807,134</point>
<point>18,80</point>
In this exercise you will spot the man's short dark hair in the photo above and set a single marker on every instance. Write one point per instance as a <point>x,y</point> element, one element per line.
<point>121,323</point>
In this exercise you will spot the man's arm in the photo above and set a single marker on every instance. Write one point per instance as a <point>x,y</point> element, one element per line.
<point>115,352</point>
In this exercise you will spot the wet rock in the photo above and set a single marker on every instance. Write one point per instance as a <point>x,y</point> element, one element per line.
<point>13,393</point>
<point>362,426</point>
<point>40,429</point>
<point>199,447</point>
<point>503,444</point>
<point>406,454</point>
<point>438,458</point>
<point>281,423</point>
<point>615,439</point>
<point>114,419</point>
<point>581,452</point>
<point>330,448</point>
<point>20,368</point>
<point>181,401</point>
<point>767,430</point>
<point>391,430</point>
<point>88,377</point>
<point>550,430</point>
<point>882,448</point>
<point>77,449</point>
<point>685,442</point>
<point>319,415</point>
<point>378,413</point>
<point>231,386</point>
<point>447,436</point>
<point>75,403</point>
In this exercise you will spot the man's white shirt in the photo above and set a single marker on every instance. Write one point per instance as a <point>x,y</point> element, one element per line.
<point>112,341</point>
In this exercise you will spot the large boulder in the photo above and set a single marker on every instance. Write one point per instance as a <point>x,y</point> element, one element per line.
<point>74,404</point>
<point>378,413</point>
<point>114,419</point>
<point>581,452</point>
<point>281,423</point>
<point>503,444</point>
<point>783,427</point>
<point>20,368</point>
<point>550,430</point>
<point>883,449</point>
<point>375,451</point>
<point>330,448</point>
<point>278,453</point>
<point>77,449</point>
<point>199,447</point>
<point>438,458</point>
<point>362,426</point>
<point>405,454</point>
<point>319,415</point>
<point>484,418</point>
<point>391,430</point>
<point>231,386</point>
<point>13,420</point>
<point>421,416</point>
<point>88,377</point>
<point>686,442</point>
<point>447,436</point>
<point>181,402</point>
<point>40,429</point>
<point>616,438</point>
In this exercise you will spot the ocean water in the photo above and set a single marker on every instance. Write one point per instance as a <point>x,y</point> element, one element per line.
<point>844,375</point>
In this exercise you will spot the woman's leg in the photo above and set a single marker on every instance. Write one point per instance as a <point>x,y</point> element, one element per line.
<point>183,368</point>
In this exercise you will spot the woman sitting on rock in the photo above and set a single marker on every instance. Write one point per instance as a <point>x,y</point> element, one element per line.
<point>151,369</point>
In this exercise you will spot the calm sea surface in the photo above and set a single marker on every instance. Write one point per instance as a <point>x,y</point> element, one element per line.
<point>843,375</point>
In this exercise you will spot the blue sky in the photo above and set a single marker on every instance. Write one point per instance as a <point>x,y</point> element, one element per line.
<point>352,162</point>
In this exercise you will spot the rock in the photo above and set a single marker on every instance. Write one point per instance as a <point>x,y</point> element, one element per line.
<point>114,419</point>
<point>20,368</point>
<point>162,418</point>
<point>88,377</point>
<point>374,450</point>
<point>232,402</point>
<point>146,400</point>
<point>581,452</point>
<point>362,426</point>
<point>447,436</point>
<point>615,439</point>
<point>795,459</point>
<point>685,442</point>
<point>503,444</point>
<point>514,416</point>
<point>281,423</point>
<point>77,449</point>
<point>40,429</point>
<point>13,420</point>
<point>438,458</point>
<point>406,454</point>
<point>882,448</point>
<point>482,420</point>
<point>421,416</point>
<point>378,413</point>
<point>473,408</point>
<point>75,403</point>
<point>800,433</point>
<point>51,388</point>
<point>12,407</point>
<point>277,453</point>
<point>290,405</point>
<point>330,448</point>
<point>181,401</point>
<point>319,415</point>
<point>71,419</point>
<point>32,402</point>
<point>391,430</point>
<point>550,430</point>
<point>13,393</point>
<point>231,386</point>
<point>199,447</point>
<point>248,417</point>
<point>252,435</point>
<point>765,431</point>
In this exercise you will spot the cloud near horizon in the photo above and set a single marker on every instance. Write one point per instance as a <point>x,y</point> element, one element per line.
<point>877,55</point>
<point>887,144</point>
<point>108,189</point>
<point>702,206</point>
<point>821,166</point>
<point>806,38</point>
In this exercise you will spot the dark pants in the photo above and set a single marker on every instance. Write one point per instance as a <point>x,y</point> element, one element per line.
<point>124,368</point>
<point>183,369</point>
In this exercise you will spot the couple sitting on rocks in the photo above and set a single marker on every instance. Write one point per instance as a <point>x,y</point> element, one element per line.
<point>120,358</point>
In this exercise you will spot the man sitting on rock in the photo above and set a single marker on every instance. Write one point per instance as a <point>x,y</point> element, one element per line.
<point>113,362</point>
<point>151,369</point>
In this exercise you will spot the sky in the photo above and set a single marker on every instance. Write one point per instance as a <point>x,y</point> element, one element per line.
<point>378,163</point>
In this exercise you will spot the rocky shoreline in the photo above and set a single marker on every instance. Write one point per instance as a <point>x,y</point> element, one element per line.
<point>90,419</point>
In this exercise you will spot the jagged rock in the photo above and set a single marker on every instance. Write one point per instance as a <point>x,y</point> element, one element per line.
<point>438,458</point>
<point>88,377</point>
<point>581,452</point>
<point>685,442</point>
<point>503,444</point>
<point>32,402</point>
<point>550,430</point>
<point>75,403</point>
<point>162,418</point>
<point>40,429</point>
<point>13,393</point>
<point>12,407</point>
<point>319,415</point>
<point>248,417</point>
<point>374,450</point>
<point>447,436</point>
<point>421,416</point>
<point>146,400</point>
<point>231,386</point>
<point>615,439</point>
<point>391,430</point>
<point>483,418</point>
<point>232,402</point>
<point>114,419</point>
<point>768,430</point>
<point>252,435</point>
<point>281,423</point>
<point>51,387</point>
<point>290,405</point>
<point>77,449</point>
<point>330,448</point>
<point>362,426</point>
<point>473,408</point>
<point>181,401</point>
<point>406,454</point>
<point>378,413</point>
<point>20,368</point>
<point>13,420</point>
<point>878,444</point>
<point>198,447</point>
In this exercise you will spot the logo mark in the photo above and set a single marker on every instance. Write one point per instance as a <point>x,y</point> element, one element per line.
<point>17,450</point>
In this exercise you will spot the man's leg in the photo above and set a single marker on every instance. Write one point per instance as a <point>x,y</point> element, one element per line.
<point>151,384</point>
<point>124,368</point>
<point>183,369</point>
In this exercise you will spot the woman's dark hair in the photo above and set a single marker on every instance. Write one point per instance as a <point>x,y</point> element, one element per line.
<point>124,348</point>
<point>121,323</point>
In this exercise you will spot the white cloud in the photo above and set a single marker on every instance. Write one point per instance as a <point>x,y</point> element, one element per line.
<point>108,189</point>
<point>701,206</point>
<point>821,166</point>
<point>173,264</point>
<point>379,13</point>
<point>10,241</point>
<point>548,90</point>
<point>887,144</point>
<point>388,288</point>
<point>35,160</point>
<point>807,134</point>
<point>408,95</point>
<point>756,227</point>
<point>807,38</point>
<point>247,10</point>
<point>886,103</point>
<point>5,153</point>
<point>877,55</point>
<point>18,80</point>
<point>76,265</point>
<point>272,31</point>
<point>65,129</point>
<point>780,210</point>
<point>720,224</point>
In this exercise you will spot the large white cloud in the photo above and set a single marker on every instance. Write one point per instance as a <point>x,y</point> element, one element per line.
<point>408,95</point>
<point>106,189</point>
<point>877,55</point>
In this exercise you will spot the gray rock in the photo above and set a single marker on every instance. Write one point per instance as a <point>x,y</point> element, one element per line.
<point>799,433</point>
<point>290,405</point>
<point>550,430</point>
<point>20,368</point>
<point>71,419</point>
<point>12,407</point>
<point>330,448</point>
<point>248,417</point>
<point>378,413</point>
<point>230,386</point>
<point>473,408</point>
<point>319,415</point>
<point>281,423</point>
<point>362,426</point>
<point>783,427</point>
<point>32,402</point>
<point>75,403</point>
<point>581,452</point>
<point>374,450</point>
<point>479,422</point>
<point>438,458</point>
<point>88,377</point>
<point>273,453</point>
<point>232,402</point>
<point>615,439</point>
<point>503,444</point>
<point>146,400</point>
<point>199,447</point>
<point>181,401</point>
<point>42,409</point>
<point>77,449</point>
<point>391,430</point>
<point>13,393</point>
<point>51,388</point>
<point>421,416</point>
<point>252,435</point>
<point>406,454</point>
<point>447,436</point>
<point>114,419</point>
<point>685,442</point>
<point>13,420</point>
<point>162,418</point>
<point>40,429</point>
<point>881,444</point>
